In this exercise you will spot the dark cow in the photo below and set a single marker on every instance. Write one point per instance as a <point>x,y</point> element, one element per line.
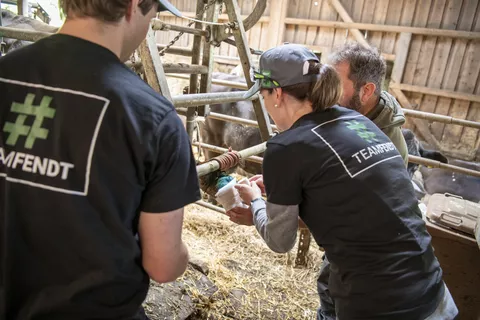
<point>12,20</point>
<point>442,181</point>
<point>415,148</point>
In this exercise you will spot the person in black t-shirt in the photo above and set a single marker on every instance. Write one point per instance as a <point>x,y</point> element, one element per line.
<point>337,171</point>
<point>95,170</point>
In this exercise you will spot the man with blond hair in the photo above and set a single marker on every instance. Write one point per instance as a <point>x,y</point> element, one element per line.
<point>95,170</point>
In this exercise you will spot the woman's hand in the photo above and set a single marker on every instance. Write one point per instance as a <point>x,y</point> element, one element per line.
<point>248,193</point>
<point>258,180</point>
<point>242,216</point>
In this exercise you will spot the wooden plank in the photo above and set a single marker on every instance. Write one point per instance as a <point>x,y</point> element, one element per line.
<point>394,13</point>
<point>467,82</point>
<point>277,22</point>
<point>407,19</point>
<point>264,37</point>
<point>427,50</point>
<point>357,11</point>
<point>312,32</point>
<point>341,35</point>
<point>346,17</point>
<point>367,16</point>
<point>380,16</point>
<point>303,12</point>
<point>401,57</point>
<point>471,136</point>
<point>326,36</point>
<point>436,32</point>
<point>420,20</point>
<point>457,48</point>
<point>292,10</point>
<point>441,92</point>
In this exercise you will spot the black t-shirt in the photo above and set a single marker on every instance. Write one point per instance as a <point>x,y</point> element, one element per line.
<point>85,146</point>
<point>356,198</point>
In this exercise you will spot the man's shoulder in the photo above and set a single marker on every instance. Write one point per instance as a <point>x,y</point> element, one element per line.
<point>142,98</point>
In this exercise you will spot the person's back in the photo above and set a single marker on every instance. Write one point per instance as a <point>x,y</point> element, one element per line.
<point>358,203</point>
<point>87,149</point>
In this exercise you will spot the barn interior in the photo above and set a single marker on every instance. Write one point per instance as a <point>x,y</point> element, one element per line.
<point>431,48</point>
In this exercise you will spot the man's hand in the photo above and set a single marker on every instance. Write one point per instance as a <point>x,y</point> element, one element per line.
<point>248,193</point>
<point>258,180</point>
<point>242,216</point>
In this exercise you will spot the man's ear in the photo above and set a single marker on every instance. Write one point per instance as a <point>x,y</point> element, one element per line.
<point>368,90</point>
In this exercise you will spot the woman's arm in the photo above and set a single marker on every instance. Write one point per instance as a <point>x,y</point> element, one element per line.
<point>277,224</point>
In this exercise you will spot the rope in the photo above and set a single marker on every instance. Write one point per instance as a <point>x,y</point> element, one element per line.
<point>228,160</point>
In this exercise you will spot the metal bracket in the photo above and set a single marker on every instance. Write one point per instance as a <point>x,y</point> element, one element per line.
<point>303,247</point>
<point>219,34</point>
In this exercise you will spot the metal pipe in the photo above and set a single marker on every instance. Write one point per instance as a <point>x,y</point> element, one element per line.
<point>193,100</point>
<point>226,83</point>
<point>441,165</point>
<point>210,206</point>
<point>221,150</point>
<point>173,68</point>
<point>162,26</point>
<point>224,117</point>
<point>21,34</point>
<point>193,88</point>
<point>440,118</point>
<point>213,165</point>
<point>176,50</point>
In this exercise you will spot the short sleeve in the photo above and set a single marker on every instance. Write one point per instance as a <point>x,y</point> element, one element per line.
<point>281,176</point>
<point>173,181</point>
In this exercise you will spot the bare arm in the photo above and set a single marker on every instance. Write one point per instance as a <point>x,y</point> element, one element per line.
<point>164,255</point>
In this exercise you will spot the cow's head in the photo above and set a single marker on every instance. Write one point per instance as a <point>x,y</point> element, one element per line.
<point>415,148</point>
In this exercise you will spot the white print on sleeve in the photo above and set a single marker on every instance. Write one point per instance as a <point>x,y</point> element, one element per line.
<point>48,135</point>
<point>374,148</point>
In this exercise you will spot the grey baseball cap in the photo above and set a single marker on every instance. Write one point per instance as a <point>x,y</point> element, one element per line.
<point>167,6</point>
<point>282,66</point>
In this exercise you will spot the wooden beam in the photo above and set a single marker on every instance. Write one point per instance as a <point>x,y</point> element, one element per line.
<point>276,26</point>
<point>153,68</point>
<point>401,57</point>
<point>22,7</point>
<point>346,17</point>
<point>221,17</point>
<point>436,92</point>
<point>469,35</point>
<point>386,56</point>
<point>427,135</point>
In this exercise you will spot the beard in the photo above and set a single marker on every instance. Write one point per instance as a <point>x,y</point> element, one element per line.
<point>355,103</point>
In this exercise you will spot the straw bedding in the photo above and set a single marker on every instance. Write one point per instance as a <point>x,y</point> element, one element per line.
<point>245,279</point>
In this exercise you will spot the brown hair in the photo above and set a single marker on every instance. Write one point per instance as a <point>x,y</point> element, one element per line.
<point>107,10</point>
<point>366,64</point>
<point>324,93</point>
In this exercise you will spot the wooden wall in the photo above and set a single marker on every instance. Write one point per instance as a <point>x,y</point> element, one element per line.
<point>433,62</point>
